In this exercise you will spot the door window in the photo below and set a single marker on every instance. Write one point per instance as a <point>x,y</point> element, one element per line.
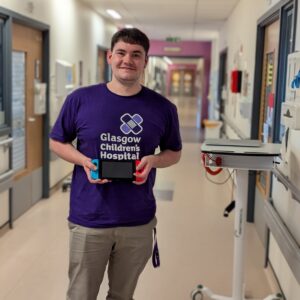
<point>18,110</point>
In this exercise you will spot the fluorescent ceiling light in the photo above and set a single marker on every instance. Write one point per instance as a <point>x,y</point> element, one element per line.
<point>128,26</point>
<point>114,14</point>
<point>167,60</point>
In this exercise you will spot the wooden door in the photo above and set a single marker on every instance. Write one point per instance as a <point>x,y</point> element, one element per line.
<point>267,100</point>
<point>27,126</point>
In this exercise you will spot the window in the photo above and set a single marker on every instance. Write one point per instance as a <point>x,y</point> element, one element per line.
<point>2,119</point>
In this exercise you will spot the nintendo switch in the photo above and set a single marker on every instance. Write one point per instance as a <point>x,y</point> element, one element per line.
<point>115,170</point>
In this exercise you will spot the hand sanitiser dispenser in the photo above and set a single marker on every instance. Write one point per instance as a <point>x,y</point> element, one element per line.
<point>290,110</point>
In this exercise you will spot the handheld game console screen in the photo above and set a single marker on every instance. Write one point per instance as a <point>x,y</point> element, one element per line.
<point>117,169</point>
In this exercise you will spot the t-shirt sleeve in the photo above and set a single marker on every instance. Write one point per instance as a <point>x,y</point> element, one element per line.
<point>64,129</point>
<point>171,139</point>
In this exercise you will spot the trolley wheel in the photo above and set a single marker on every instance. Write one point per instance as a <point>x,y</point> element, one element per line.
<point>197,295</point>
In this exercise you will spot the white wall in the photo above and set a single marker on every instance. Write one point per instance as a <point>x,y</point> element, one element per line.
<point>288,282</point>
<point>75,32</point>
<point>239,36</point>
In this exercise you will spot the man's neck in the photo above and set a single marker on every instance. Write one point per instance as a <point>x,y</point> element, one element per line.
<point>123,90</point>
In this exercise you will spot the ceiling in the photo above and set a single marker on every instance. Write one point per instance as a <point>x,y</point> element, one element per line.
<point>159,19</point>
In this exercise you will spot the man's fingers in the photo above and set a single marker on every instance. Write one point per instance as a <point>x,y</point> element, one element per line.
<point>141,165</point>
<point>139,182</point>
<point>99,181</point>
<point>102,181</point>
<point>88,164</point>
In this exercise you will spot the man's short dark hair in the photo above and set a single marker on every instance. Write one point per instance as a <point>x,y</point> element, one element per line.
<point>131,36</point>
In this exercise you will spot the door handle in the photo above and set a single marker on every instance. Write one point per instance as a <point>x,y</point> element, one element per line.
<point>31,119</point>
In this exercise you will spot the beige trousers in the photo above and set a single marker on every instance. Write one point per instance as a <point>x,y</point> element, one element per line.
<point>126,250</point>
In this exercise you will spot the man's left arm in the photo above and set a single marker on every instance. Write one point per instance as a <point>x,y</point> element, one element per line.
<point>163,159</point>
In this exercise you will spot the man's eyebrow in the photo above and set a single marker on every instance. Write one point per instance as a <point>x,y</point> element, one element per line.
<point>123,50</point>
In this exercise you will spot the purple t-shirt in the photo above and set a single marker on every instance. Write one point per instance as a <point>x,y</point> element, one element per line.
<point>100,120</point>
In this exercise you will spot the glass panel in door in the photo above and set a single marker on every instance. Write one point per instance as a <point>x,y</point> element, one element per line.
<point>18,110</point>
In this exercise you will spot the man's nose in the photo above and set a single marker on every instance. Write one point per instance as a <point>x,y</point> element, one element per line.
<point>127,58</point>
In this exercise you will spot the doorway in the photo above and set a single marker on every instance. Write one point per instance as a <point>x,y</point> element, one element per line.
<point>267,99</point>
<point>222,83</point>
<point>182,83</point>
<point>103,72</point>
<point>27,125</point>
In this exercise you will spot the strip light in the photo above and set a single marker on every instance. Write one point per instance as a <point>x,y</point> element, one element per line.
<point>114,14</point>
<point>167,60</point>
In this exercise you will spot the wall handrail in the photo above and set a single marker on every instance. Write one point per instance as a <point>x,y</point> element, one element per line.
<point>287,183</point>
<point>6,175</point>
<point>6,142</point>
<point>286,242</point>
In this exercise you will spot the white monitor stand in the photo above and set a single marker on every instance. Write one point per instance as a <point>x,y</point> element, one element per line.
<point>242,159</point>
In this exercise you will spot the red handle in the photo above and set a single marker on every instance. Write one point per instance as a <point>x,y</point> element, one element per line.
<point>208,169</point>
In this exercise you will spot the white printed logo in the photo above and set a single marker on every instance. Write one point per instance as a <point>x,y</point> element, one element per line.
<point>131,123</point>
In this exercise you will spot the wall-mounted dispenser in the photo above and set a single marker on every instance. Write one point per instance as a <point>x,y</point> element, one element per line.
<point>290,110</point>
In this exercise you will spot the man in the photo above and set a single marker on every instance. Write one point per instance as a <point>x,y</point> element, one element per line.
<point>111,222</point>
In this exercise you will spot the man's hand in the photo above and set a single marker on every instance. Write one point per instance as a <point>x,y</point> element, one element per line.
<point>88,166</point>
<point>144,168</point>
<point>163,159</point>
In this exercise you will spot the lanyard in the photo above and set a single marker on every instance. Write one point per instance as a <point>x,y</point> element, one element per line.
<point>155,253</point>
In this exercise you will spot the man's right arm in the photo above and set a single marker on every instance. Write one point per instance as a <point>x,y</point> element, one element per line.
<point>67,152</point>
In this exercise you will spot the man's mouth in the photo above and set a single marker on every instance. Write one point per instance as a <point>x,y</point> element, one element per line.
<point>127,68</point>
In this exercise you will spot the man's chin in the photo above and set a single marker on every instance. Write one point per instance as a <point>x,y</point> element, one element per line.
<point>128,80</point>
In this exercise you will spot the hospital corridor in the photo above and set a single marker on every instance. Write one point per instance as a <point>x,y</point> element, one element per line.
<point>232,69</point>
<point>195,240</point>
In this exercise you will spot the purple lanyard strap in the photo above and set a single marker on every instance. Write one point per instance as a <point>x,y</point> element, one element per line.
<point>155,253</point>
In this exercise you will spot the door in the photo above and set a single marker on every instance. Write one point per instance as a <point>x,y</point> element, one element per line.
<point>27,125</point>
<point>188,83</point>
<point>103,71</point>
<point>271,47</point>
<point>182,82</point>
<point>268,90</point>
<point>222,84</point>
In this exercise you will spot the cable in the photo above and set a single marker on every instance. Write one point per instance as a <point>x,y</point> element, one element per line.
<point>219,183</point>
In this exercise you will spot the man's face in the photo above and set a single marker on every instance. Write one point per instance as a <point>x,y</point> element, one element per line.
<point>128,62</point>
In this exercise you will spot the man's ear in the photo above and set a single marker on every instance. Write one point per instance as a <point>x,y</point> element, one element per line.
<point>108,56</point>
<point>146,61</point>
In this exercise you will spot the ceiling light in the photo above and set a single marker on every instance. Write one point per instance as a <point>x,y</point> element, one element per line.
<point>128,26</point>
<point>114,14</point>
<point>167,60</point>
